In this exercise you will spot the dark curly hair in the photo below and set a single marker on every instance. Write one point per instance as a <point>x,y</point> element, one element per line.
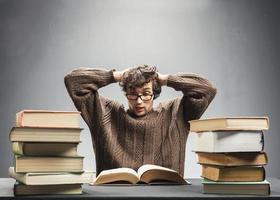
<point>138,76</point>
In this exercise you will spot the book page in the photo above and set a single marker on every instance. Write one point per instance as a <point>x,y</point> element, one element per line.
<point>148,167</point>
<point>118,174</point>
<point>118,170</point>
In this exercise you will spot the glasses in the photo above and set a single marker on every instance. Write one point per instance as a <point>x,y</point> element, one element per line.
<point>143,97</point>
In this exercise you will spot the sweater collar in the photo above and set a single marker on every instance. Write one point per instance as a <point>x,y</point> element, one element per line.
<point>131,114</point>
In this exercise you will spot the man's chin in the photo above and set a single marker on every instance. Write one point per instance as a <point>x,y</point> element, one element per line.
<point>140,114</point>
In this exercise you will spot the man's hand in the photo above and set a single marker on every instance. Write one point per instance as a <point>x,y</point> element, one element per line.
<point>118,75</point>
<point>162,78</point>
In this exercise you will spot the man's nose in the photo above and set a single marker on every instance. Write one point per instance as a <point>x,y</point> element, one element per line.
<point>139,100</point>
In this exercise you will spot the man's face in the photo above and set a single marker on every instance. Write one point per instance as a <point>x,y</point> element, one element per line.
<point>140,99</point>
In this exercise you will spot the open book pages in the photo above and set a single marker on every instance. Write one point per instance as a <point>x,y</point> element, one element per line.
<point>149,174</point>
<point>114,175</point>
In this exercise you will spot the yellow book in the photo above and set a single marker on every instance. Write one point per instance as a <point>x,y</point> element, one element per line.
<point>26,164</point>
<point>242,173</point>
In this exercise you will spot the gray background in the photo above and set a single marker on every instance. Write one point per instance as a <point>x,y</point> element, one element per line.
<point>234,43</point>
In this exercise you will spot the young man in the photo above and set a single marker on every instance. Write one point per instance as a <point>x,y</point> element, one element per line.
<point>141,134</point>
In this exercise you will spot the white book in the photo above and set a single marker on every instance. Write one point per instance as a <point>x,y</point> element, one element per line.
<point>229,141</point>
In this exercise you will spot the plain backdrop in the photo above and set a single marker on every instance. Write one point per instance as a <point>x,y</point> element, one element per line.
<point>234,43</point>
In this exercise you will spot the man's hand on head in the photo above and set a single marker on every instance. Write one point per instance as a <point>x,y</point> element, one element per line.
<point>117,75</point>
<point>162,78</point>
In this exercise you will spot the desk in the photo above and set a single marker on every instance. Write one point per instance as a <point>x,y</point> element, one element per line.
<point>138,192</point>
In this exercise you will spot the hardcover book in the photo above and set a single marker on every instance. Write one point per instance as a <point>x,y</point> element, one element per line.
<point>229,141</point>
<point>22,189</point>
<point>52,178</point>
<point>26,164</point>
<point>230,124</point>
<point>45,149</point>
<point>242,173</point>
<point>35,134</point>
<point>233,159</point>
<point>47,118</point>
<point>246,188</point>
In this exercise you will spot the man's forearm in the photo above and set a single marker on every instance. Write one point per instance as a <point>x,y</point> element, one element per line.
<point>83,80</point>
<point>190,83</point>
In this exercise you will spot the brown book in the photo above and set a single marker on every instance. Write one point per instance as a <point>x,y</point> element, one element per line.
<point>45,149</point>
<point>240,188</point>
<point>35,134</point>
<point>48,164</point>
<point>22,189</point>
<point>48,118</point>
<point>232,159</point>
<point>229,123</point>
<point>243,173</point>
<point>150,174</point>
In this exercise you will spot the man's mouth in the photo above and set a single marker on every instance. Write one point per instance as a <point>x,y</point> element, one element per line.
<point>139,109</point>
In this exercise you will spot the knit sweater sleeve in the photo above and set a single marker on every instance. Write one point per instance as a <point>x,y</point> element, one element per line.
<point>82,85</point>
<point>198,93</point>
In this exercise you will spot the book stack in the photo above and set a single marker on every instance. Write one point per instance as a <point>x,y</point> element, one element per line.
<point>230,151</point>
<point>45,144</point>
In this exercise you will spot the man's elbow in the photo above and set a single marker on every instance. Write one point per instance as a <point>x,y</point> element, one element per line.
<point>213,92</point>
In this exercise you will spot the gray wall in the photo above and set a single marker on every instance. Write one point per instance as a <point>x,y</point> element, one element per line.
<point>234,43</point>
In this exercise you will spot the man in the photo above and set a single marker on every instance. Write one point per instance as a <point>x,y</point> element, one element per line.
<point>141,134</point>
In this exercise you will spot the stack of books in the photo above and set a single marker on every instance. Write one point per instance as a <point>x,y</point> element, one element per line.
<point>45,144</point>
<point>230,151</point>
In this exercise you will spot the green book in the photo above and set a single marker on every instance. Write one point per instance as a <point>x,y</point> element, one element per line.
<point>22,189</point>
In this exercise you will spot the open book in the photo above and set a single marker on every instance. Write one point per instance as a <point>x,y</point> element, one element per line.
<point>145,174</point>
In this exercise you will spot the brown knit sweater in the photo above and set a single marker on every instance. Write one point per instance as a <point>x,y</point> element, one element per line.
<point>120,140</point>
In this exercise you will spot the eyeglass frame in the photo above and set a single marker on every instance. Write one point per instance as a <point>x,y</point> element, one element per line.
<point>140,95</point>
